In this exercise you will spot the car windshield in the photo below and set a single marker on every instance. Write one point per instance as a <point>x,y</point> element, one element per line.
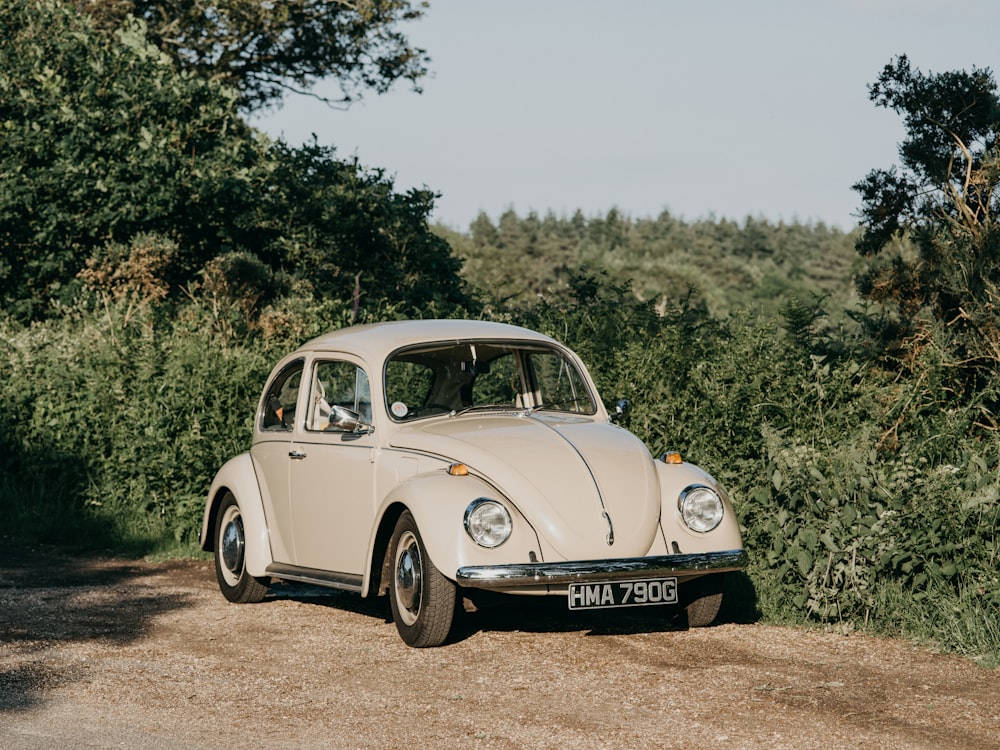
<point>434,379</point>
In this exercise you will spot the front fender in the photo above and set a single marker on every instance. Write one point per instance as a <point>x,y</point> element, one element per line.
<point>238,476</point>
<point>674,478</point>
<point>438,503</point>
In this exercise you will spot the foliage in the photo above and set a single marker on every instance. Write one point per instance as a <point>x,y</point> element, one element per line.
<point>854,487</point>
<point>730,265</point>
<point>175,254</point>
<point>125,410</point>
<point>945,198</point>
<point>103,141</point>
<point>100,142</point>
<point>842,526</point>
<point>264,50</point>
<point>346,232</point>
<point>131,415</point>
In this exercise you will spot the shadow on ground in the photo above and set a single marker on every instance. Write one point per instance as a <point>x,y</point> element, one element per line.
<point>499,613</point>
<point>48,598</point>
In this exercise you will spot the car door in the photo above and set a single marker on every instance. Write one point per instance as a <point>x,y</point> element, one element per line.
<point>332,471</point>
<point>273,440</point>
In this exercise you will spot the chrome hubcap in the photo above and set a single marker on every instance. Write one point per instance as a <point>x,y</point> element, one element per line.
<point>232,545</point>
<point>408,574</point>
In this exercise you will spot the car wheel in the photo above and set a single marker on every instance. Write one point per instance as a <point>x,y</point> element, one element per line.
<point>422,600</point>
<point>230,556</point>
<point>704,601</point>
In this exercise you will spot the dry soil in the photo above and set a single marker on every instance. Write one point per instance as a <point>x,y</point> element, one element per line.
<point>111,653</point>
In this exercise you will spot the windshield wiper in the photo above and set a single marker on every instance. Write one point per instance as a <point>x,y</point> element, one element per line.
<point>521,409</point>
<point>486,407</point>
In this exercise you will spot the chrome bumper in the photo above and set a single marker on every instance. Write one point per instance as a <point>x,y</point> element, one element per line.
<point>585,571</point>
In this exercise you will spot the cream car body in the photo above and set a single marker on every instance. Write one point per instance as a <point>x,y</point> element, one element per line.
<point>432,459</point>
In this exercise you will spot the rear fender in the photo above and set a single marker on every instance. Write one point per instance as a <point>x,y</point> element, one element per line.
<point>238,477</point>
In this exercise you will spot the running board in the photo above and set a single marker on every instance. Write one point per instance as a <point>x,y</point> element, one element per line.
<point>342,581</point>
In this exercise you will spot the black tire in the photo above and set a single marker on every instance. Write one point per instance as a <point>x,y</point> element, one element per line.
<point>704,600</point>
<point>422,600</point>
<point>236,584</point>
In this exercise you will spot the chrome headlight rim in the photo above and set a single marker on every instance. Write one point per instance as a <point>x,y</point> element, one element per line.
<point>488,522</point>
<point>701,508</point>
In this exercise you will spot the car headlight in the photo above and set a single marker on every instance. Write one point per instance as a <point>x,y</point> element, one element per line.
<point>700,507</point>
<point>487,522</point>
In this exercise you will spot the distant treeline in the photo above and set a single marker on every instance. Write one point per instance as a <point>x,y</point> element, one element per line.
<point>723,264</point>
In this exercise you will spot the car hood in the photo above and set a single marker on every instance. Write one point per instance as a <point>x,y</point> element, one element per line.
<point>562,473</point>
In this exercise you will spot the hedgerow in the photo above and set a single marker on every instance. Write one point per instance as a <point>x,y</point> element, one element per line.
<point>857,489</point>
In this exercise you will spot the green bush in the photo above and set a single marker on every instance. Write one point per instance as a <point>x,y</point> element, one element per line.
<point>121,428</point>
<point>855,487</point>
<point>867,500</point>
<point>124,408</point>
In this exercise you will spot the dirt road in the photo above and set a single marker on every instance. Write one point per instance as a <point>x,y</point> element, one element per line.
<point>111,653</point>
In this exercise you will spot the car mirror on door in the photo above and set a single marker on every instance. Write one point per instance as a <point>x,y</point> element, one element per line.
<point>621,410</point>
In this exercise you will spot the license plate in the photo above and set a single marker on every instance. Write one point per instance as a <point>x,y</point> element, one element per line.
<point>637,593</point>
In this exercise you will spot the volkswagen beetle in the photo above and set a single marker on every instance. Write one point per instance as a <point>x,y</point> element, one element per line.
<point>433,460</point>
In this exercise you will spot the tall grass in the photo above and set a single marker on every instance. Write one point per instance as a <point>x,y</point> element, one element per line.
<point>963,620</point>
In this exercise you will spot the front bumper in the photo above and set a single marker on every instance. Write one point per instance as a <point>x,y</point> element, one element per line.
<point>586,571</point>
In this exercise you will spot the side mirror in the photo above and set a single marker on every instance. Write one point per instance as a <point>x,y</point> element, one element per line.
<point>621,411</point>
<point>344,419</point>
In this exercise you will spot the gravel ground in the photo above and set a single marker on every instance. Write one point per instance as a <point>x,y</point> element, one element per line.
<point>111,653</point>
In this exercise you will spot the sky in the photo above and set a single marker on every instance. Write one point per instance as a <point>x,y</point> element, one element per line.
<point>703,108</point>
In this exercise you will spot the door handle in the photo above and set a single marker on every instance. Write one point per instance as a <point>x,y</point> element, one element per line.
<point>298,455</point>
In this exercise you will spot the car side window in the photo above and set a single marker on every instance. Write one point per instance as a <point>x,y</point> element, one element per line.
<point>338,383</point>
<point>281,397</point>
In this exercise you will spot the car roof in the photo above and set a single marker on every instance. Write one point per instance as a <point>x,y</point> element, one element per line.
<point>378,339</point>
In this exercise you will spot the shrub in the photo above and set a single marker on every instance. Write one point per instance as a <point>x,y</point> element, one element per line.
<point>127,422</point>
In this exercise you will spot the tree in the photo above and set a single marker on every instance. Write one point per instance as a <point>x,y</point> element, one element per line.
<point>102,139</point>
<point>756,263</point>
<point>264,50</point>
<point>343,228</point>
<point>944,198</point>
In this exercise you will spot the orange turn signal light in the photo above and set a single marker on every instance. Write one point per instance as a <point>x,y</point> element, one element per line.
<point>672,457</point>
<point>458,470</point>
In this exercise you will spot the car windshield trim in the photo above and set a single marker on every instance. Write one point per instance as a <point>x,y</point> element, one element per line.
<point>554,405</point>
<point>450,378</point>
